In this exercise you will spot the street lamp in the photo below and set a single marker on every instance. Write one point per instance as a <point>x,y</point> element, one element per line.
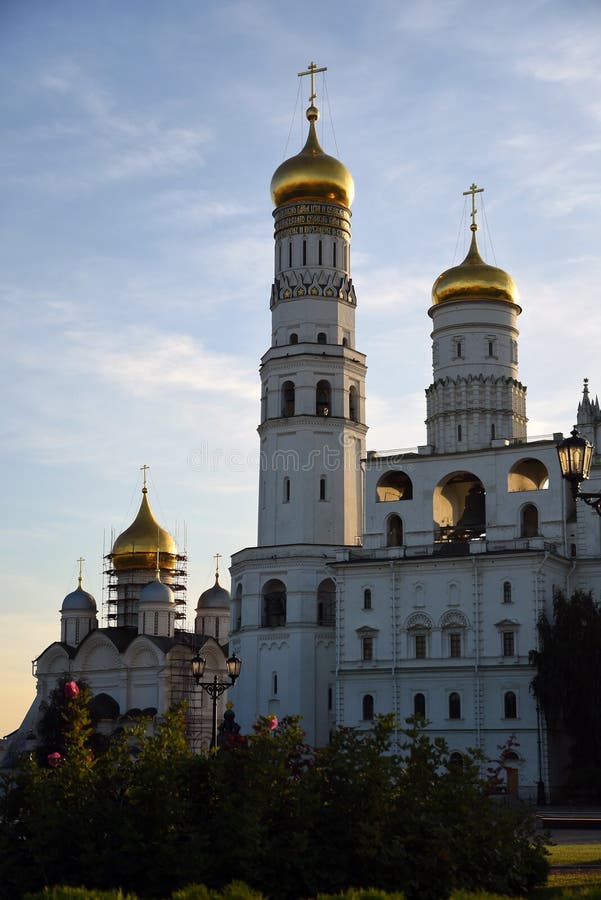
<point>575,457</point>
<point>215,688</point>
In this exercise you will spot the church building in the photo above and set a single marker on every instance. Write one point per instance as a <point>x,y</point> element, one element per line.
<point>140,664</point>
<point>409,583</point>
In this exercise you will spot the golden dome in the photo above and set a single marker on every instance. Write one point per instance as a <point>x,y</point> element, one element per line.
<point>312,174</point>
<point>474,279</point>
<point>136,547</point>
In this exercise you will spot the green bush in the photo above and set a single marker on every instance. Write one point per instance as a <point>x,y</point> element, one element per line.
<point>264,814</point>
<point>77,893</point>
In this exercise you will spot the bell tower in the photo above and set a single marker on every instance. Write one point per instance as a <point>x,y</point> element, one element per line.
<point>312,433</point>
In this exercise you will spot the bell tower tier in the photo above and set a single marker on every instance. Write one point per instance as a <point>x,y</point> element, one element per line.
<point>475,397</point>
<point>313,385</point>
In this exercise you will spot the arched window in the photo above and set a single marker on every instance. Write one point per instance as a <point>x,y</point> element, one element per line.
<point>237,609</point>
<point>323,394</point>
<point>345,342</point>
<point>322,487</point>
<point>367,598</point>
<point>529,520</point>
<point>394,531</point>
<point>294,338</point>
<point>274,684</point>
<point>288,399</point>
<point>394,486</point>
<point>274,604</point>
<point>368,708</point>
<point>419,705</point>
<point>286,490</point>
<point>454,705</point>
<point>326,603</point>
<point>510,705</point>
<point>353,410</point>
<point>506,592</point>
<point>321,338</point>
<point>456,762</point>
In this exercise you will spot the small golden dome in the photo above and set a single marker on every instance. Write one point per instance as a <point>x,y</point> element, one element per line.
<point>136,547</point>
<point>474,279</point>
<point>312,174</point>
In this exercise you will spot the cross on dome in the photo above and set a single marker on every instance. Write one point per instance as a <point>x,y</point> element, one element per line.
<point>474,189</point>
<point>144,469</point>
<point>312,70</point>
<point>81,561</point>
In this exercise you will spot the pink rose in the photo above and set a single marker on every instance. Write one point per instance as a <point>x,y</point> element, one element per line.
<point>54,759</point>
<point>273,722</point>
<point>71,689</point>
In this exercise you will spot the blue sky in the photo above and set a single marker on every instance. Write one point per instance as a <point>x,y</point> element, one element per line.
<point>138,142</point>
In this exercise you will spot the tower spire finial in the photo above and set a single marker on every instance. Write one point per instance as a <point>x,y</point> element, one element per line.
<point>312,70</point>
<point>81,561</point>
<point>217,557</point>
<point>474,189</point>
<point>144,469</point>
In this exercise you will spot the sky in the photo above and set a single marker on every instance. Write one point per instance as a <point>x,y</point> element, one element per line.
<point>137,143</point>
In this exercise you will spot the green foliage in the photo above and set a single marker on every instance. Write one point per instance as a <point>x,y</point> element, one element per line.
<point>568,681</point>
<point>267,810</point>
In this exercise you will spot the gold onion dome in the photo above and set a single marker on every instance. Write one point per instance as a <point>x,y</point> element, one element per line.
<point>473,279</point>
<point>136,547</point>
<point>312,174</point>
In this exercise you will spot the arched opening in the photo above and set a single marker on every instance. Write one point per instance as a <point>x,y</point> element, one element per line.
<point>345,342</point>
<point>353,409</point>
<point>322,487</point>
<point>528,475</point>
<point>394,531</point>
<point>367,712</point>
<point>286,490</point>
<point>288,399</point>
<point>322,338</point>
<point>294,338</point>
<point>323,396</point>
<point>419,705</point>
<point>506,592</point>
<point>394,486</point>
<point>367,598</point>
<point>459,508</point>
<point>456,762</point>
<point>529,521</point>
<point>510,705</point>
<point>326,603</point>
<point>273,613</point>
<point>454,705</point>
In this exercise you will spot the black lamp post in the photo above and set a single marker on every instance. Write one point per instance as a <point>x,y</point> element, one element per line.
<point>215,688</point>
<point>575,457</point>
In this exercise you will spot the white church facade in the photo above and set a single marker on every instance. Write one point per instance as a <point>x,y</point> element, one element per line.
<point>408,583</point>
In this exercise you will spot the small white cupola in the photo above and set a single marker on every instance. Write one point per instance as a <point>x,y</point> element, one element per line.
<point>78,614</point>
<point>156,608</point>
<point>213,610</point>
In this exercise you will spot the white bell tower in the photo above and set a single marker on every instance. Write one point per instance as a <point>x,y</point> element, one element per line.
<point>312,433</point>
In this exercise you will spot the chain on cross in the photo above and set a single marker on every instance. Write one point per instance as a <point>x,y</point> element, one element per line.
<point>81,561</point>
<point>474,189</point>
<point>312,70</point>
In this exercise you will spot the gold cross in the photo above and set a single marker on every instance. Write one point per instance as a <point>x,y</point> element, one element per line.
<point>81,561</point>
<point>144,469</point>
<point>312,71</point>
<point>217,557</point>
<point>474,189</point>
